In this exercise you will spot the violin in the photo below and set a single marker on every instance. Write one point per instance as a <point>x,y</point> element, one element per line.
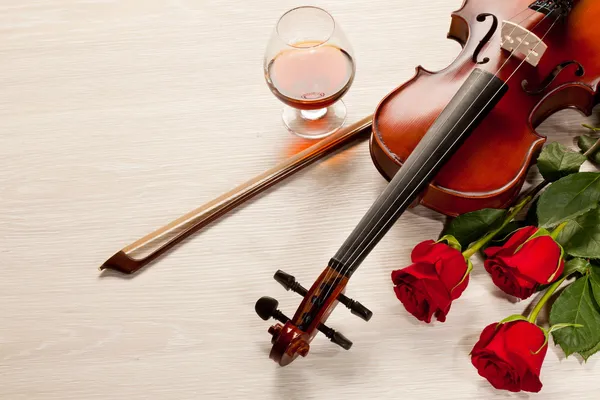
<point>457,140</point>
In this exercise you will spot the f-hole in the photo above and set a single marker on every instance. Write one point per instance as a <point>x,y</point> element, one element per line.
<point>486,38</point>
<point>545,84</point>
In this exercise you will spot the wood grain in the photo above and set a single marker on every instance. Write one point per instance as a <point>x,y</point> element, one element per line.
<point>117,117</point>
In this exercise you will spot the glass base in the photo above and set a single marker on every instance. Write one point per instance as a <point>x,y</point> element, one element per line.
<point>315,124</point>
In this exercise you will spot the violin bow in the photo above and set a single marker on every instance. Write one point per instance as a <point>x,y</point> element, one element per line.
<point>138,254</point>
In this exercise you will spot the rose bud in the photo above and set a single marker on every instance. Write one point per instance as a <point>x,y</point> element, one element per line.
<point>439,274</point>
<point>510,355</point>
<point>524,262</point>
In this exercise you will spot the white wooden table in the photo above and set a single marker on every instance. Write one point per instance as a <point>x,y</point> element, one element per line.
<point>117,116</point>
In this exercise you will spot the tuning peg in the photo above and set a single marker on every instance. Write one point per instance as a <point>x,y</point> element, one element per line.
<point>335,337</point>
<point>289,283</point>
<point>266,307</point>
<point>355,307</point>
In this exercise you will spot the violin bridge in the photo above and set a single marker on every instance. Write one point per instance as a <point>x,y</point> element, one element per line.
<point>519,40</point>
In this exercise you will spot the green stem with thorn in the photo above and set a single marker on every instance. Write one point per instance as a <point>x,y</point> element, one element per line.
<point>511,214</point>
<point>558,230</point>
<point>593,149</point>
<point>590,152</point>
<point>540,304</point>
<point>550,291</point>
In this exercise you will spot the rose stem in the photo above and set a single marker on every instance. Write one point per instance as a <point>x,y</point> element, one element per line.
<point>558,230</point>
<point>596,145</point>
<point>538,307</point>
<point>592,149</point>
<point>591,127</point>
<point>540,304</point>
<point>512,213</point>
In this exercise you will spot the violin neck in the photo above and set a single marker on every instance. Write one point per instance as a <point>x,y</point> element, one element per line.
<point>477,96</point>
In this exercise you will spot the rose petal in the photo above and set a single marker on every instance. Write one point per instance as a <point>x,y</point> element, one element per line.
<point>429,251</point>
<point>504,356</point>
<point>531,382</point>
<point>499,373</point>
<point>439,299</point>
<point>452,268</point>
<point>522,339</point>
<point>425,286</point>
<point>496,345</point>
<point>415,302</point>
<point>413,295</point>
<point>485,337</point>
<point>437,292</point>
<point>441,315</point>
<point>422,250</point>
<point>509,280</point>
<point>458,290</point>
<point>511,245</point>
<point>501,276</point>
<point>519,237</point>
<point>417,271</point>
<point>492,251</point>
<point>537,259</point>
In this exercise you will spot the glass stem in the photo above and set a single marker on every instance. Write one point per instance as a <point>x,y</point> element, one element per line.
<point>313,115</point>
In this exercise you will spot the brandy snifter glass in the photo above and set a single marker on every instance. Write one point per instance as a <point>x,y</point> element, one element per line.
<point>309,65</point>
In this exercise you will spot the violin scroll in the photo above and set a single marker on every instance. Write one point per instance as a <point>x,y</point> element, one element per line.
<point>291,337</point>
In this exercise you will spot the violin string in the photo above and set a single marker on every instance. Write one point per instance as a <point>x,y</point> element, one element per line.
<point>342,261</point>
<point>495,94</point>
<point>447,118</point>
<point>348,257</point>
<point>531,14</point>
<point>471,123</point>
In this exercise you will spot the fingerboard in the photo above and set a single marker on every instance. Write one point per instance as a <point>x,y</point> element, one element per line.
<point>474,100</point>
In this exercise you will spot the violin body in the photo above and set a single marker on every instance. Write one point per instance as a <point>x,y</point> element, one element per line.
<point>490,167</point>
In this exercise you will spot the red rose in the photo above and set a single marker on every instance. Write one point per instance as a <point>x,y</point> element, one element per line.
<point>432,282</point>
<point>510,356</point>
<point>519,272</point>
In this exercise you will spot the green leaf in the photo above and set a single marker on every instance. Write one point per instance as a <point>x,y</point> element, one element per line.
<point>568,198</point>
<point>581,236</point>
<point>452,242</point>
<point>554,328</point>
<point>468,228</point>
<point>575,305</point>
<point>556,161</point>
<point>577,265</point>
<point>588,353</point>
<point>585,143</point>
<point>595,281</point>
<point>595,284</point>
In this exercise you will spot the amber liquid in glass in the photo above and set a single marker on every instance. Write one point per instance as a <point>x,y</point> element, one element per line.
<point>310,76</point>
